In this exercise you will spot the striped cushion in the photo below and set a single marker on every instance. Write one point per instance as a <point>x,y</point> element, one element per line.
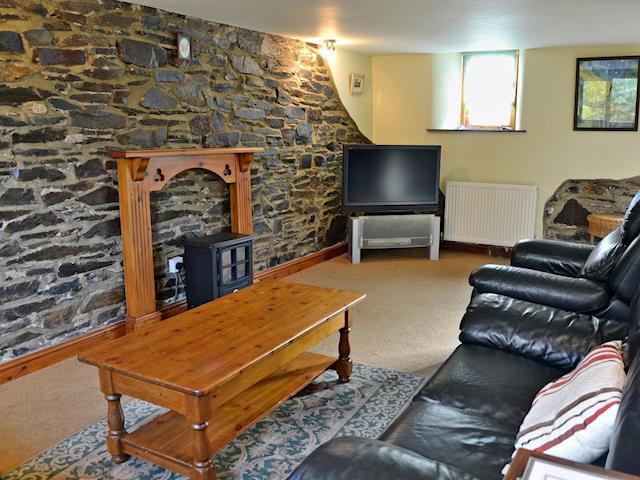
<point>573,417</point>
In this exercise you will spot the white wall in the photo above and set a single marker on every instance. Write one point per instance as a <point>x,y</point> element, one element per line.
<point>343,63</point>
<point>446,86</point>
<point>407,100</point>
<point>402,98</point>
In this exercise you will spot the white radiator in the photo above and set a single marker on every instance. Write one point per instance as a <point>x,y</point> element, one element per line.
<point>489,214</point>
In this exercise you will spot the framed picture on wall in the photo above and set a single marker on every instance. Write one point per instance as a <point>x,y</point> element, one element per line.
<point>356,84</point>
<point>607,93</point>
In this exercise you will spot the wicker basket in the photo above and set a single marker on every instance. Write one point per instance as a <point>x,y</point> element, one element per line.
<point>602,224</point>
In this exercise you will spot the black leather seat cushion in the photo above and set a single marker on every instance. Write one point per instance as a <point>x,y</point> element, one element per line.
<point>350,458</point>
<point>472,375</point>
<point>468,441</point>
<point>556,337</point>
<point>469,413</point>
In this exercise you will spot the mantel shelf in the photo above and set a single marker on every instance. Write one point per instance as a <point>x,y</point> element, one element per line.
<point>164,164</point>
<point>174,152</point>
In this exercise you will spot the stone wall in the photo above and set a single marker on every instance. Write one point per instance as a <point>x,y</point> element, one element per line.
<point>82,77</point>
<point>565,213</point>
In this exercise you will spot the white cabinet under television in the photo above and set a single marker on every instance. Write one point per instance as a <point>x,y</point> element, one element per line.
<point>394,231</point>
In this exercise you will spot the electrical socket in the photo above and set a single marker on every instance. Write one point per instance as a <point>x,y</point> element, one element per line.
<point>173,264</point>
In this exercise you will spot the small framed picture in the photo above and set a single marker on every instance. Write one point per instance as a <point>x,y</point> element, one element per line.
<point>185,50</point>
<point>607,93</point>
<point>356,84</point>
<point>541,469</point>
<point>529,465</point>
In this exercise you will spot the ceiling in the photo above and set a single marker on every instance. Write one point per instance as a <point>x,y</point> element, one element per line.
<point>412,26</point>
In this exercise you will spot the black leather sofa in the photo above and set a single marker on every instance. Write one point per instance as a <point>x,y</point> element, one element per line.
<point>463,423</point>
<point>527,324</point>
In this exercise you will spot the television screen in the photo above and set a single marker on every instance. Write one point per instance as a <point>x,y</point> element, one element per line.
<point>384,178</point>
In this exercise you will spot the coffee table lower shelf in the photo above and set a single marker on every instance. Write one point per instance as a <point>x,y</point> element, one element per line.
<point>167,440</point>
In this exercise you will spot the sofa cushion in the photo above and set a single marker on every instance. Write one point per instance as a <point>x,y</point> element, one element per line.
<point>472,375</point>
<point>604,257</point>
<point>551,256</point>
<point>631,223</point>
<point>469,441</point>
<point>573,417</point>
<point>556,337</point>
<point>580,295</point>
<point>353,458</point>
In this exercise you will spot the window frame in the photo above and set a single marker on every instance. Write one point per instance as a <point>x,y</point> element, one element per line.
<point>464,117</point>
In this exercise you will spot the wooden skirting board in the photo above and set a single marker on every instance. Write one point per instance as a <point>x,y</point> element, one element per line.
<point>489,250</point>
<point>48,356</point>
<point>285,269</point>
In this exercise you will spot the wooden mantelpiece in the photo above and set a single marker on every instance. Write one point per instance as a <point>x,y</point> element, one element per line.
<point>141,172</point>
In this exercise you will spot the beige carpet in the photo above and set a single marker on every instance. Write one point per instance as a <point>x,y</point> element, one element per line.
<point>408,322</point>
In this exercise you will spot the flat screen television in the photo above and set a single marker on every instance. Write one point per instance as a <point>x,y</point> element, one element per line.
<point>391,178</point>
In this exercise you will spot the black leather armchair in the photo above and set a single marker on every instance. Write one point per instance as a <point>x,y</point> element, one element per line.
<point>605,299</point>
<point>573,277</point>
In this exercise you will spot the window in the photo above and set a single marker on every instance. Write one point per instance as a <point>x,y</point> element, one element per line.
<point>489,89</point>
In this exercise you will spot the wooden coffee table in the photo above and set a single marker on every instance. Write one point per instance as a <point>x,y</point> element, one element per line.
<point>219,368</point>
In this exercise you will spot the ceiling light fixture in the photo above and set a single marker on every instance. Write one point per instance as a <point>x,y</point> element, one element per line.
<point>330,45</point>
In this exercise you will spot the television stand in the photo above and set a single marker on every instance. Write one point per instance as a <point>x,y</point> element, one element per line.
<point>394,231</point>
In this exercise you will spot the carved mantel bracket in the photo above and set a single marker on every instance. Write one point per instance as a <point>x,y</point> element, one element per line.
<point>141,172</point>
<point>138,168</point>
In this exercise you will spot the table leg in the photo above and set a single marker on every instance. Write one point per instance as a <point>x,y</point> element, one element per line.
<point>198,416</point>
<point>115,419</point>
<point>344,366</point>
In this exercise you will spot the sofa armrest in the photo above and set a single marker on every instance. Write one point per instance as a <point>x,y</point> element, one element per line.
<point>576,294</point>
<point>557,337</point>
<point>351,458</point>
<point>551,256</point>
<point>623,449</point>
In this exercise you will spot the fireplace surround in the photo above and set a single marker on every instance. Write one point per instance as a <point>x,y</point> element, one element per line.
<point>142,171</point>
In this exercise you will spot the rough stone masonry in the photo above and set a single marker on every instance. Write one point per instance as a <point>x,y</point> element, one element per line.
<point>565,213</point>
<point>83,77</point>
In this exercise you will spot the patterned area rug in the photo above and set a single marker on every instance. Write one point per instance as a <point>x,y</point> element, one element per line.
<point>271,449</point>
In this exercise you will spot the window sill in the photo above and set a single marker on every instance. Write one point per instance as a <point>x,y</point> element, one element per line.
<point>473,130</point>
